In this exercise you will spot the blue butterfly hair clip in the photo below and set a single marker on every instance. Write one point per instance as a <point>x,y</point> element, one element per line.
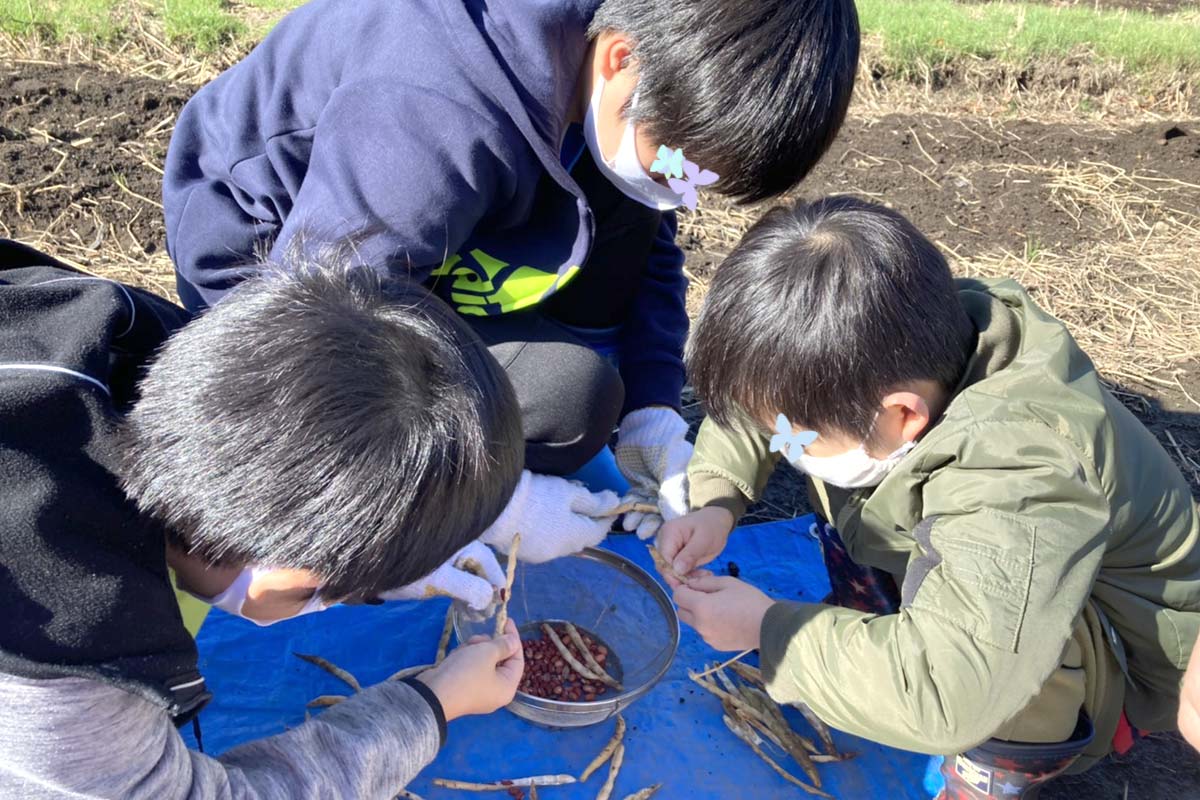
<point>788,443</point>
<point>669,162</point>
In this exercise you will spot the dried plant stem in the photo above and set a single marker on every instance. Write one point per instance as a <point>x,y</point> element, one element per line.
<point>763,729</point>
<point>593,665</point>
<point>728,663</point>
<point>770,735</point>
<point>408,672</point>
<point>631,508</point>
<point>571,660</point>
<point>644,794</point>
<point>444,642</point>
<point>787,740</point>
<point>765,715</point>
<point>533,792</point>
<point>326,700</point>
<point>614,768</point>
<point>334,670</point>
<point>504,786</point>
<point>748,673</point>
<point>775,718</point>
<point>737,701</point>
<point>663,566</point>
<point>821,728</point>
<point>746,735</point>
<point>509,574</point>
<point>405,794</point>
<point>605,754</point>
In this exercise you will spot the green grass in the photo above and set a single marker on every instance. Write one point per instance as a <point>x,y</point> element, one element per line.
<point>914,32</point>
<point>199,25</point>
<point>202,23</point>
<point>918,32</point>
<point>94,19</point>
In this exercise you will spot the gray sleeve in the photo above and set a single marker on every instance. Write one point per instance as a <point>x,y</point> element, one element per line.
<point>73,737</point>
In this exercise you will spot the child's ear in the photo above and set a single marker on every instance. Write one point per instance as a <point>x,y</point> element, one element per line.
<point>614,52</point>
<point>913,413</point>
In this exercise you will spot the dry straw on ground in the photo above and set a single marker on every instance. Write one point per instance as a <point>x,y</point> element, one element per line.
<point>1131,299</point>
<point>1128,291</point>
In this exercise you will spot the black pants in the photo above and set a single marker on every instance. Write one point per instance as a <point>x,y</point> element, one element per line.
<point>570,396</point>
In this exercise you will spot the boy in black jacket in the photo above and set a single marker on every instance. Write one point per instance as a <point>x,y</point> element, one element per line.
<point>324,435</point>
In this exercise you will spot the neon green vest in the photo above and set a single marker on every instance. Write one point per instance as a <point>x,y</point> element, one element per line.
<point>194,611</point>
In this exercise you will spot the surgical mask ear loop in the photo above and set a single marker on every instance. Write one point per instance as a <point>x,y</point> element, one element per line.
<point>853,469</point>
<point>904,447</point>
<point>626,171</point>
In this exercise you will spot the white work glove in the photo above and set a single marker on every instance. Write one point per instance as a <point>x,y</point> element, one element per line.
<point>472,575</point>
<point>653,454</point>
<point>555,517</point>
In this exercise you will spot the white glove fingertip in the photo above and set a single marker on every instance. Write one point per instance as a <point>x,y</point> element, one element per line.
<point>480,596</point>
<point>632,520</point>
<point>603,527</point>
<point>649,526</point>
<point>483,556</point>
<point>594,503</point>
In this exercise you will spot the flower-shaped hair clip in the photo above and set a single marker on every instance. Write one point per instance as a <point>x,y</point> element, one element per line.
<point>696,178</point>
<point>683,176</point>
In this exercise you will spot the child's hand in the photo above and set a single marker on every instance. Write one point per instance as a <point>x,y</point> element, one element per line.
<point>479,677</point>
<point>695,539</point>
<point>726,612</point>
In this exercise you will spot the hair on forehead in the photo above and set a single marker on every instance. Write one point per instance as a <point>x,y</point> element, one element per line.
<point>754,90</point>
<point>820,311</point>
<point>329,417</point>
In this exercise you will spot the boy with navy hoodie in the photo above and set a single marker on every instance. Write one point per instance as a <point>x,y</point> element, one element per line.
<point>502,153</point>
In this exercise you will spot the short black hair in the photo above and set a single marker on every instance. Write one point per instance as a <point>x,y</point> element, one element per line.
<point>754,90</point>
<point>820,311</point>
<point>323,417</point>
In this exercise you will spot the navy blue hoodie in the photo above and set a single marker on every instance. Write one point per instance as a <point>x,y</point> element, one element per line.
<point>429,130</point>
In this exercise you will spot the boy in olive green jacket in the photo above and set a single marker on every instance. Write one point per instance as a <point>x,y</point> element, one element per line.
<point>1044,544</point>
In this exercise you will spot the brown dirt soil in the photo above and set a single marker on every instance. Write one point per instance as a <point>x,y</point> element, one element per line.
<point>80,151</point>
<point>974,184</point>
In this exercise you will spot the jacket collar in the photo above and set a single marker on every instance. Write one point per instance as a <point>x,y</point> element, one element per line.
<point>998,335</point>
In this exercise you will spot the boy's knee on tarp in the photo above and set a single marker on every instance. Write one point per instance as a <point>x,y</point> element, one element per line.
<point>1089,677</point>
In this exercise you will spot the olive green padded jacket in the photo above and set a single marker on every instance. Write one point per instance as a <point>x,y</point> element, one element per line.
<point>1038,491</point>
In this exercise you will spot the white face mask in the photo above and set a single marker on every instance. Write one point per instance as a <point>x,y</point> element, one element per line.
<point>854,469</point>
<point>625,171</point>
<point>233,598</point>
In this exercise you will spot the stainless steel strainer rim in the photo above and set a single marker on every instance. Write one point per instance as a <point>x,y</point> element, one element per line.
<point>616,702</point>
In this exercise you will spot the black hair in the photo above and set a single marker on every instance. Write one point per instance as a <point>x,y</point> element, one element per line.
<point>820,311</point>
<point>323,417</point>
<point>754,90</point>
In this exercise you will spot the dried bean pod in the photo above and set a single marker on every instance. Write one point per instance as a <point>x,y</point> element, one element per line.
<point>604,677</point>
<point>334,670</point>
<point>605,753</point>
<point>614,768</point>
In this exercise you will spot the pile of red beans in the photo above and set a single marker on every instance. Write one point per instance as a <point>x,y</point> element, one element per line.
<point>548,675</point>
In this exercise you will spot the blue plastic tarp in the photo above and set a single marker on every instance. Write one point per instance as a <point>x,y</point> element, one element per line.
<point>675,734</point>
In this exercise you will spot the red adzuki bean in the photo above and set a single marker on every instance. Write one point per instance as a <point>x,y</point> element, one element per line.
<point>547,674</point>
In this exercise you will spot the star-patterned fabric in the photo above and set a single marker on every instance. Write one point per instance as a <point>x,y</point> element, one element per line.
<point>854,586</point>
